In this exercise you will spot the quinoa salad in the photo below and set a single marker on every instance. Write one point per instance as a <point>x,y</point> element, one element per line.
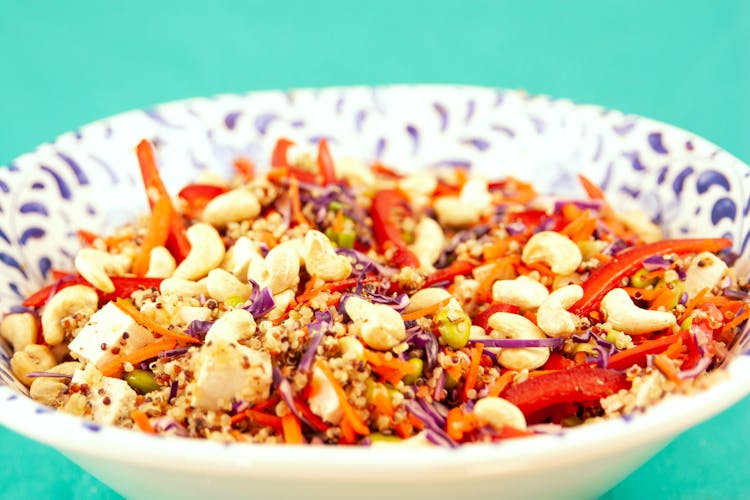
<point>322,301</point>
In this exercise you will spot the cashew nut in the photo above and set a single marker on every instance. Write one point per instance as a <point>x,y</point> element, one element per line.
<point>467,208</point>
<point>380,326</point>
<point>553,317</point>
<point>428,243</point>
<point>281,303</point>
<point>73,300</point>
<point>427,297</point>
<point>321,259</point>
<point>47,389</point>
<point>641,224</point>
<point>351,348</point>
<point>182,287</point>
<point>221,285</point>
<point>499,413</point>
<point>33,358</point>
<point>96,266</point>
<point>705,271</point>
<point>239,256</point>
<point>19,329</point>
<point>556,250</point>
<point>624,315</point>
<point>232,326</point>
<point>514,326</point>
<point>161,264</point>
<point>279,271</point>
<point>206,252</point>
<point>524,292</point>
<point>233,206</point>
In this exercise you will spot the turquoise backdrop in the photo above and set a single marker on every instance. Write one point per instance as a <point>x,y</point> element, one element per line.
<point>684,62</point>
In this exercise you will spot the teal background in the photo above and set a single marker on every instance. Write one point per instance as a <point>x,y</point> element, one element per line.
<point>63,64</point>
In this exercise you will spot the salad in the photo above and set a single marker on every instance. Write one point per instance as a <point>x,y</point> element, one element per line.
<point>331,302</point>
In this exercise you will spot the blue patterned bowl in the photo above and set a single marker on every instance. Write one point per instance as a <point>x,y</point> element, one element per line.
<point>89,179</point>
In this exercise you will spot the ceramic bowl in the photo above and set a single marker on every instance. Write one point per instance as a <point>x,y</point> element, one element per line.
<point>89,179</point>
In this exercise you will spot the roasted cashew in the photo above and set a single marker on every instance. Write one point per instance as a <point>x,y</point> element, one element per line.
<point>33,358</point>
<point>206,252</point>
<point>76,299</point>
<point>233,206</point>
<point>232,326</point>
<point>553,317</point>
<point>524,292</point>
<point>499,413</point>
<point>380,326</point>
<point>19,329</point>
<point>428,243</point>
<point>321,259</point>
<point>222,284</point>
<point>96,266</point>
<point>161,264</point>
<point>556,250</point>
<point>624,315</point>
<point>514,326</point>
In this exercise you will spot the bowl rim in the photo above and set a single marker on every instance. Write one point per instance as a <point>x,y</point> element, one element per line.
<point>76,436</point>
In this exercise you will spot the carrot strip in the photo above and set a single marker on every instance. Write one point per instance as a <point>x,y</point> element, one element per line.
<point>501,383</point>
<point>141,420</point>
<point>425,311</point>
<point>312,419</point>
<point>351,415</point>
<point>737,321</point>
<point>495,250</point>
<point>592,190</point>
<point>338,222</point>
<point>265,419</point>
<point>655,274</point>
<point>459,423</point>
<point>543,269</point>
<point>245,167</point>
<point>692,304</point>
<point>473,372</point>
<point>292,429</point>
<point>156,234</point>
<point>348,436</point>
<point>237,435</point>
<point>152,325</point>
<point>666,299</point>
<point>664,364</point>
<point>403,429</point>
<point>114,366</point>
<point>296,205</point>
<point>382,403</point>
<point>392,370</point>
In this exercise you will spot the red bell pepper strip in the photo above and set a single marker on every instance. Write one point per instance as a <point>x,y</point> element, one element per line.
<point>325,163</point>
<point>637,355</point>
<point>557,361</point>
<point>245,167</point>
<point>580,384</point>
<point>124,287</point>
<point>388,207</point>
<point>278,157</point>
<point>483,318</point>
<point>607,277</point>
<point>458,268</point>
<point>177,242</point>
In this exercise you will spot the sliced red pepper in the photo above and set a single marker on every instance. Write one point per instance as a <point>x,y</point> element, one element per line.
<point>457,268</point>
<point>245,167</point>
<point>325,163</point>
<point>482,318</point>
<point>87,238</point>
<point>557,361</point>
<point>197,196</point>
<point>385,171</point>
<point>637,355</point>
<point>580,384</point>
<point>278,157</point>
<point>177,242</point>
<point>124,287</point>
<point>607,277</point>
<point>388,208</point>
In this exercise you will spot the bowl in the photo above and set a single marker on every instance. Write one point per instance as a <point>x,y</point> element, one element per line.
<point>89,179</point>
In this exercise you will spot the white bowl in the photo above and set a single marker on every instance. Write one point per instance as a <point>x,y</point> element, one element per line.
<point>89,179</point>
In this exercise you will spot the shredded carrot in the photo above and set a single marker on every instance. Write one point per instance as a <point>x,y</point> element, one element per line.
<point>382,403</point>
<point>473,372</point>
<point>426,311</point>
<point>392,370</point>
<point>348,435</point>
<point>415,422</point>
<point>114,366</point>
<point>351,415</point>
<point>501,383</point>
<point>665,365</point>
<point>268,238</point>
<point>268,403</point>
<point>156,234</point>
<point>571,212</point>
<point>277,173</point>
<point>459,423</point>
<point>87,238</point>
<point>580,358</point>
<point>692,304</point>
<point>543,269</point>
<point>264,419</point>
<point>292,429</point>
<point>495,250</point>
<point>338,222</point>
<point>580,228</point>
<point>245,167</point>
<point>141,420</point>
<point>531,316</point>
<point>152,325</point>
<point>296,205</point>
<point>655,274</point>
<point>592,190</point>
<point>601,257</point>
<point>501,269</point>
<point>403,429</point>
<point>237,435</point>
<point>675,349</point>
<point>666,299</point>
<point>737,321</point>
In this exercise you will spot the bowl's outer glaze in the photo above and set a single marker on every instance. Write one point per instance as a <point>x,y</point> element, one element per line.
<point>89,180</point>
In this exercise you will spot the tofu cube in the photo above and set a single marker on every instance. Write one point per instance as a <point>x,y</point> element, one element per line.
<point>112,400</point>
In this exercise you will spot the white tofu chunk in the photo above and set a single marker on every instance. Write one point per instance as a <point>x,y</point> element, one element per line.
<point>324,402</point>
<point>103,337</point>
<point>111,399</point>
<point>225,371</point>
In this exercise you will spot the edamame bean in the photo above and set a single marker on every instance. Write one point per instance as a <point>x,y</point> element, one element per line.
<point>454,327</point>
<point>142,381</point>
<point>416,365</point>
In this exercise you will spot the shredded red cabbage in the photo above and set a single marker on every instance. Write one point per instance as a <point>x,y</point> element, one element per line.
<point>261,301</point>
<point>699,368</point>
<point>604,347</point>
<point>582,204</point>
<point>433,420</point>
<point>49,375</point>
<point>421,339</point>
<point>656,262</point>
<point>318,328</point>
<point>362,263</point>
<point>198,328</point>
<point>171,353</point>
